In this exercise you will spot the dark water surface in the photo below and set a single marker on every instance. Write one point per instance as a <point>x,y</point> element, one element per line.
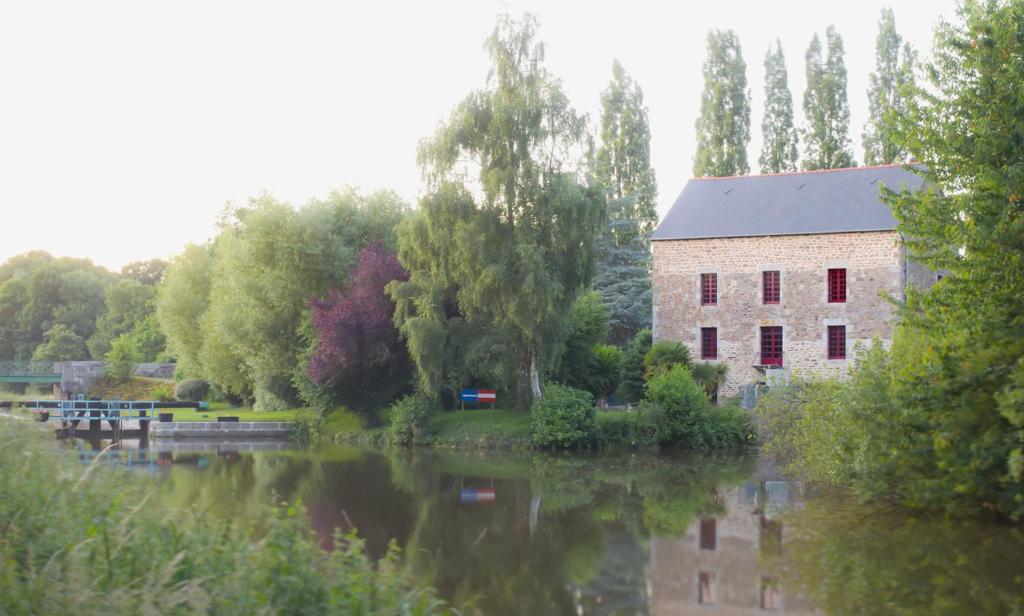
<point>631,534</point>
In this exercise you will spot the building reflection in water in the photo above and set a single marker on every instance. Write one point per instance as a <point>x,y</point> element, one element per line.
<point>726,564</point>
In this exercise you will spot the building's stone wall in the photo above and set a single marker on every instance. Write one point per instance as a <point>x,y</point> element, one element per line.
<point>874,265</point>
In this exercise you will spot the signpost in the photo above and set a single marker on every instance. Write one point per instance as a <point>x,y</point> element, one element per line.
<point>477,396</point>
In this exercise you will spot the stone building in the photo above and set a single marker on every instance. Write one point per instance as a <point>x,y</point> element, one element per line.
<point>773,274</point>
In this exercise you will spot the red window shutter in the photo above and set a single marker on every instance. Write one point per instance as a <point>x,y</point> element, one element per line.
<point>770,282</point>
<point>709,343</point>
<point>837,342</point>
<point>837,285</point>
<point>771,346</point>
<point>709,289</point>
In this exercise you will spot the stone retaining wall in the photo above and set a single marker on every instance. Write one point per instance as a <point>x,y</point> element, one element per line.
<point>221,430</point>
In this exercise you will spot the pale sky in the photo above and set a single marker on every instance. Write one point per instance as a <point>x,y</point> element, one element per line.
<point>126,126</point>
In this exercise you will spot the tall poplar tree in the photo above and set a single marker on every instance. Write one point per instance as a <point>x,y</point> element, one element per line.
<point>522,248</point>
<point>889,88</point>
<point>623,166</point>
<point>623,162</point>
<point>779,148</point>
<point>826,108</point>
<point>723,127</point>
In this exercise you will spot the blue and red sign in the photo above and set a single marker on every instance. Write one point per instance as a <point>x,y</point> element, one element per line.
<point>479,395</point>
<point>471,496</point>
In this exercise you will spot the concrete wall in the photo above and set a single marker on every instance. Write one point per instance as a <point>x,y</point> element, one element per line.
<point>221,430</point>
<point>873,261</point>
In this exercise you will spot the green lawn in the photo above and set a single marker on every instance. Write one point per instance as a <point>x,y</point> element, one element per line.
<point>223,409</point>
<point>482,428</point>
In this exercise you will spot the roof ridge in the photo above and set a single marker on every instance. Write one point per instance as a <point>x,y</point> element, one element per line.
<point>805,172</point>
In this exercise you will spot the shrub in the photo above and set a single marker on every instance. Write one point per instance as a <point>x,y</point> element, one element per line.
<point>710,376</point>
<point>682,415</point>
<point>663,355</point>
<point>192,390</point>
<point>407,419</point>
<point>564,417</point>
<point>162,393</point>
<point>633,429</point>
<point>631,380</point>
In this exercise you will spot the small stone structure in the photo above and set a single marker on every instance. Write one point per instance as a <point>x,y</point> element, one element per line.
<point>797,227</point>
<point>79,377</point>
<point>221,430</point>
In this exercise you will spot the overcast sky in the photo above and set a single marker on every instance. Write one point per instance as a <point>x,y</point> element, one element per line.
<point>126,126</point>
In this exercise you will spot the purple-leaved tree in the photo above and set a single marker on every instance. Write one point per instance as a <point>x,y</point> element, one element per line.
<point>359,355</point>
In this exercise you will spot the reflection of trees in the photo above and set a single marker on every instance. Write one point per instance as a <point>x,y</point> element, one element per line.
<point>854,559</point>
<point>493,556</point>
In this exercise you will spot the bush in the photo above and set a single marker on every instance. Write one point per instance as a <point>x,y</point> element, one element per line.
<point>663,355</point>
<point>678,409</point>
<point>564,417</point>
<point>627,429</point>
<point>631,380</point>
<point>407,419</point>
<point>163,393</point>
<point>192,390</point>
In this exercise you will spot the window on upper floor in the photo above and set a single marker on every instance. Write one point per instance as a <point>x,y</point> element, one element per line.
<point>837,342</point>
<point>770,287</point>
<point>709,343</point>
<point>709,289</point>
<point>837,285</point>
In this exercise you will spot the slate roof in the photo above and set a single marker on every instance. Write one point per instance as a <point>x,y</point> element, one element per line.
<point>831,201</point>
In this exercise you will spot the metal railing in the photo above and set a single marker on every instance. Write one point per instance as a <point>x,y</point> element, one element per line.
<point>28,367</point>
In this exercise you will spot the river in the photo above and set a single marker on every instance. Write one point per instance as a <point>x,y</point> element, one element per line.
<point>528,533</point>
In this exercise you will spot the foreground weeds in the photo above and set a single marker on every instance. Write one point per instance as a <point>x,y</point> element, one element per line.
<point>77,539</point>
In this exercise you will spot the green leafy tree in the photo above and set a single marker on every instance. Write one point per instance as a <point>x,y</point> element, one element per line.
<point>623,161</point>
<point>723,127</point>
<point>148,272</point>
<point>826,107</point>
<point>121,359</point>
<point>38,291</point>
<point>622,277</point>
<point>961,379</point>
<point>269,260</point>
<point>890,85</point>
<point>181,304</point>
<point>779,146</point>
<point>61,344</point>
<point>586,327</point>
<point>521,258</point>
<point>623,166</point>
<point>449,347</point>
<point>234,310</point>
<point>128,303</point>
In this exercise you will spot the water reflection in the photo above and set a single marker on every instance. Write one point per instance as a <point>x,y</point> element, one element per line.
<point>533,534</point>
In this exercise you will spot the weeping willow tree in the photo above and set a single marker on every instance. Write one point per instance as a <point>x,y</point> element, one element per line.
<point>514,225</point>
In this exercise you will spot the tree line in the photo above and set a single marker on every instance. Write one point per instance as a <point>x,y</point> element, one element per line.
<point>58,309</point>
<point>723,126</point>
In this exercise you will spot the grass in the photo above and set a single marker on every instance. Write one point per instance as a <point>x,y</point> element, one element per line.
<point>479,428</point>
<point>102,532</point>
<point>223,409</point>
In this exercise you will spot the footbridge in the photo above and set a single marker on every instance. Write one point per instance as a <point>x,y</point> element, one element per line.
<point>32,372</point>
